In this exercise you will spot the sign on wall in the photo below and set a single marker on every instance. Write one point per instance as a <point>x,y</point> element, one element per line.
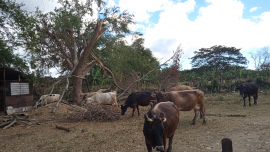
<point>19,88</point>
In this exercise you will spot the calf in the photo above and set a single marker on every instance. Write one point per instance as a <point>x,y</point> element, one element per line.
<point>135,99</point>
<point>181,88</point>
<point>249,89</point>
<point>224,91</point>
<point>185,101</point>
<point>103,98</point>
<point>45,99</point>
<point>160,123</point>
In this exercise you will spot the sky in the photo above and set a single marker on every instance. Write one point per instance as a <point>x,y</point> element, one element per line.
<point>193,24</point>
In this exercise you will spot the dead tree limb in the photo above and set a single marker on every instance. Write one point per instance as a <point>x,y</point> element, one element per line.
<point>13,122</point>
<point>178,51</point>
<point>63,128</point>
<point>66,86</point>
<point>5,123</point>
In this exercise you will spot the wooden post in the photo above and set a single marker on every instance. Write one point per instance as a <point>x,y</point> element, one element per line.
<point>226,145</point>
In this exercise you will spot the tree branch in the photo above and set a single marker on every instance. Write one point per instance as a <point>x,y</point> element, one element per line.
<point>177,52</point>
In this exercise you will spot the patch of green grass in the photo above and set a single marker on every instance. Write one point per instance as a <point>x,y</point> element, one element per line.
<point>95,136</point>
<point>220,98</point>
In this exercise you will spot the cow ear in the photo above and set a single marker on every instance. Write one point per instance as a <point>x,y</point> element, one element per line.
<point>153,95</point>
<point>162,117</point>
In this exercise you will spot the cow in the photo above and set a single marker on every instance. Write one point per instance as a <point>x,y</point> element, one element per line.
<point>181,88</point>
<point>224,91</point>
<point>45,99</point>
<point>160,123</point>
<point>248,89</point>
<point>137,99</point>
<point>103,98</point>
<point>185,101</point>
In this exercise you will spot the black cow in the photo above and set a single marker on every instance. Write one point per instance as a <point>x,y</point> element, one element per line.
<point>160,123</point>
<point>135,99</point>
<point>249,89</point>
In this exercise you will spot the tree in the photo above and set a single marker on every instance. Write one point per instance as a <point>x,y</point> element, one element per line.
<point>261,58</point>
<point>218,57</point>
<point>16,32</point>
<point>8,59</point>
<point>67,39</point>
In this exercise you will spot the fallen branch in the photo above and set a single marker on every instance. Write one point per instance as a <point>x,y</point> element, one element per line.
<point>56,106</point>
<point>178,51</point>
<point>14,121</point>
<point>5,123</point>
<point>63,128</point>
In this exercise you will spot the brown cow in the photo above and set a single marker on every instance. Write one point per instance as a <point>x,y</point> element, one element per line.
<point>185,101</point>
<point>181,88</point>
<point>160,123</point>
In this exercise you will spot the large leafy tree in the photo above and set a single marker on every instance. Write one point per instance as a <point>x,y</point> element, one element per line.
<point>70,35</point>
<point>16,32</point>
<point>123,58</point>
<point>218,58</point>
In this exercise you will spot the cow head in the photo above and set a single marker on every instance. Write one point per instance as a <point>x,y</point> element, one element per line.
<point>123,109</point>
<point>156,130</point>
<point>240,88</point>
<point>160,96</point>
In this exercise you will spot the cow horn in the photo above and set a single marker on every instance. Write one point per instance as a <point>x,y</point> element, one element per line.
<point>164,119</point>
<point>148,119</point>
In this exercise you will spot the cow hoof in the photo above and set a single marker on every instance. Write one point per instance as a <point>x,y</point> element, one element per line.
<point>244,105</point>
<point>255,103</point>
<point>193,123</point>
<point>204,123</point>
<point>169,149</point>
<point>249,104</point>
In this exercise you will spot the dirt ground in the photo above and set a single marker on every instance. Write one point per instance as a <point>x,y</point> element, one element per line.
<point>248,127</point>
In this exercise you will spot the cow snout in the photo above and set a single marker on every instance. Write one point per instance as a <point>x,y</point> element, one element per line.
<point>159,148</point>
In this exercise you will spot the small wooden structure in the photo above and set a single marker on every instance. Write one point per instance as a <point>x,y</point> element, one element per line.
<point>16,93</point>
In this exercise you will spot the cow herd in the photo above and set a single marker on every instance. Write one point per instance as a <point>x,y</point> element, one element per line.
<point>162,118</point>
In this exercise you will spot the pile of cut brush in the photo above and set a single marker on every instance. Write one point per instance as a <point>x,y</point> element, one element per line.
<point>97,113</point>
<point>15,119</point>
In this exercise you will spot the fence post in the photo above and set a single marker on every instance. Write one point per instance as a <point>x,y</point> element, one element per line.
<point>226,145</point>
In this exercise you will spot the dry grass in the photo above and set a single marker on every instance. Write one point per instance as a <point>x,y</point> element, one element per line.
<point>249,133</point>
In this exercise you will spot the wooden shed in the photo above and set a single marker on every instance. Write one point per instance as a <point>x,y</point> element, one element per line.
<point>16,93</point>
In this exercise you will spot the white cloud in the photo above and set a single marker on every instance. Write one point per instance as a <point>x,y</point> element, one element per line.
<point>142,8</point>
<point>253,9</point>
<point>219,23</point>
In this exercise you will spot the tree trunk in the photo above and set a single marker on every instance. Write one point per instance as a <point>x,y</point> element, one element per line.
<point>77,88</point>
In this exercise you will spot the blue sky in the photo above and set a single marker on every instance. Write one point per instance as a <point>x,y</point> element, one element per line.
<point>194,24</point>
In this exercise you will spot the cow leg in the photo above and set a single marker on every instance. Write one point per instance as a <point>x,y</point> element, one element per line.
<point>170,144</point>
<point>244,102</point>
<point>249,100</point>
<point>164,142</point>
<point>255,98</point>
<point>138,110</point>
<point>133,110</point>
<point>194,120</point>
<point>202,112</point>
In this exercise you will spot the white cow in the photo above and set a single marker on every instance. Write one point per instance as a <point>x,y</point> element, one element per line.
<point>103,98</point>
<point>45,99</point>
